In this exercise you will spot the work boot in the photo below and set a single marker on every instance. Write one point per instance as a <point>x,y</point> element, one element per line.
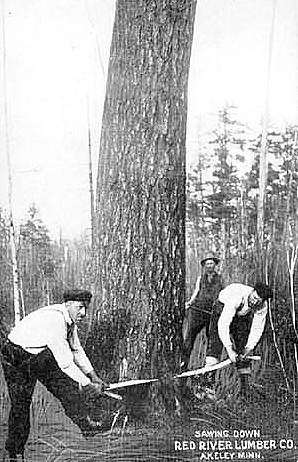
<point>245,385</point>
<point>244,370</point>
<point>93,427</point>
<point>206,388</point>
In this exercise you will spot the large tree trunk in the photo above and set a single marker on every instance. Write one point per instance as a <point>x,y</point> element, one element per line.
<point>140,281</point>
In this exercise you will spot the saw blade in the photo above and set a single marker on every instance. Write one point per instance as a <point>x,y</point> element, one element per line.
<point>130,383</point>
<point>205,369</point>
<point>113,395</point>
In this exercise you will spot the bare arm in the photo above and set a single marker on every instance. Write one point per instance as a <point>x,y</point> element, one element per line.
<point>257,328</point>
<point>196,290</point>
<point>224,322</point>
<point>59,346</point>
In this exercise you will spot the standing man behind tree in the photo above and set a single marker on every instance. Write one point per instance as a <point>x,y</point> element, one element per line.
<point>199,307</point>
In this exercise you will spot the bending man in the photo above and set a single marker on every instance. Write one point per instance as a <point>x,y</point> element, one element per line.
<point>237,323</point>
<point>45,346</point>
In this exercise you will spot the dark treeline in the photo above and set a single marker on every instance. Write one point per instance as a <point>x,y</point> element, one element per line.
<point>222,191</point>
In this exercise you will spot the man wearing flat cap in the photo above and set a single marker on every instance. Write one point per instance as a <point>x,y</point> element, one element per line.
<point>45,346</point>
<point>237,324</point>
<point>199,307</point>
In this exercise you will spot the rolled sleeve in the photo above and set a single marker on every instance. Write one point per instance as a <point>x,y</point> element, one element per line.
<point>196,290</point>
<point>231,297</point>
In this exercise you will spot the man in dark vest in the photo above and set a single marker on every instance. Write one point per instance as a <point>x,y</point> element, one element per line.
<point>199,307</point>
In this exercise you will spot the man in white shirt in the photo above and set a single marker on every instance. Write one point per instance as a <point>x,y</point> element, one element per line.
<point>238,322</point>
<point>45,346</point>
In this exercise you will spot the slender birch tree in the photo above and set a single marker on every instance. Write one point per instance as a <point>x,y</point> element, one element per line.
<point>16,287</point>
<point>263,149</point>
<point>91,188</point>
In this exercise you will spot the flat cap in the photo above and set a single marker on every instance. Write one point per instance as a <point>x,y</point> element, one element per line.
<point>263,291</point>
<point>77,295</point>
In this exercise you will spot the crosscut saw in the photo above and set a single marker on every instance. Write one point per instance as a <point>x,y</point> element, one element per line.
<point>205,369</point>
<point>202,370</point>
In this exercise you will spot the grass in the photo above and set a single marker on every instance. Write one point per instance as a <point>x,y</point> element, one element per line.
<point>40,406</point>
<point>145,443</point>
<point>54,438</point>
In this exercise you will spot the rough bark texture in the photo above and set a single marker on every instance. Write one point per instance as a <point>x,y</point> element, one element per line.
<point>140,203</point>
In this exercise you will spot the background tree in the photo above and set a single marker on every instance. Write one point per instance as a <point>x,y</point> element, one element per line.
<point>36,261</point>
<point>6,282</point>
<point>222,202</point>
<point>215,188</point>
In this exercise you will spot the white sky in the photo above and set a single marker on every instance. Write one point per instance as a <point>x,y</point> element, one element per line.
<point>53,68</point>
<point>230,64</point>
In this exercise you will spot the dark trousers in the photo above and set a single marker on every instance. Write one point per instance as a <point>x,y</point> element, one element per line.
<point>21,371</point>
<point>239,332</point>
<point>195,320</point>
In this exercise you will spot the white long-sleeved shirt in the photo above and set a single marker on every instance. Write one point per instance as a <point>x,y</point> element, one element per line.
<point>48,327</point>
<point>235,300</point>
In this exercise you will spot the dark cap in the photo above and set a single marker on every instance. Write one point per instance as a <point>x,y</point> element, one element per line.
<point>263,291</point>
<point>77,295</point>
<point>210,257</point>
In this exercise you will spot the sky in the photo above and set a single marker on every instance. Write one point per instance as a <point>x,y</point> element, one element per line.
<point>57,55</point>
<point>229,65</point>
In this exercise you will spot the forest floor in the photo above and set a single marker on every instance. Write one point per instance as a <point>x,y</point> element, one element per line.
<point>261,426</point>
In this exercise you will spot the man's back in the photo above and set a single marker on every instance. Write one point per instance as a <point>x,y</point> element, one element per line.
<point>33,331</point>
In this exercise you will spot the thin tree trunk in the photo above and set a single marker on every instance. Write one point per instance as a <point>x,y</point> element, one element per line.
<point>223,243</point>
<point>242,221</point>
<point>202,218</point>
<point>16,289</point>
<point>290,190</point>
<point>92,207</point>
<point>263,150</point>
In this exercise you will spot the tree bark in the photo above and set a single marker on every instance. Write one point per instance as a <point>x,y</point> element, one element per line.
<point>140,281</point>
